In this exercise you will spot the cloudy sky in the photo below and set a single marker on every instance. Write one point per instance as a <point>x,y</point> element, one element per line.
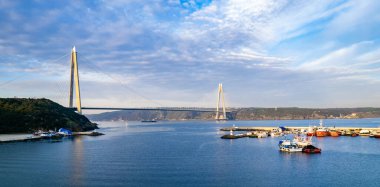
<point>175,52</point>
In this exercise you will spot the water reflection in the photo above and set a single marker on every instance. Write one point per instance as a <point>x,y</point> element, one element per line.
<point>77,162</point>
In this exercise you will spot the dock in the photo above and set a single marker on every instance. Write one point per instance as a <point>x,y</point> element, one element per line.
<point>8,138</point>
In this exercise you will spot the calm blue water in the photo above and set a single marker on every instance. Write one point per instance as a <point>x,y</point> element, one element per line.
<point>191,154</point>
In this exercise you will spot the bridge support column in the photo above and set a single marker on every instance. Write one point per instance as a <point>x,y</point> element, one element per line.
<point>220,96</point>
<point>74,76</point>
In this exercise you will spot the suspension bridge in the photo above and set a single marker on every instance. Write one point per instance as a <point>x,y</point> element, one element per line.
<point>220,110</point>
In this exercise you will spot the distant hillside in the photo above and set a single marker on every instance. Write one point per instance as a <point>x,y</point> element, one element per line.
<point>27,115</point>
<point>242,114</point>
<point>136,115</point>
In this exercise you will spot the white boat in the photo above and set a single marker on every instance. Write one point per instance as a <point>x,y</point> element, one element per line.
<point>301,141</point>
<point>364,132</point>
<point>289,146</point>
<point>45,134</point>
<point>262,135</point>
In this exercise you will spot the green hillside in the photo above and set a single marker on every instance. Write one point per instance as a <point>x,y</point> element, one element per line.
<point>27,115</point>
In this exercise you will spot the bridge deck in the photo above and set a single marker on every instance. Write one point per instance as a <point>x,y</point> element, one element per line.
<point>152,109</point>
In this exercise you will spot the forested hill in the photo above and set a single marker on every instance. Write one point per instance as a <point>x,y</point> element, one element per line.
<point>243,114</point>
<point>19,115</point>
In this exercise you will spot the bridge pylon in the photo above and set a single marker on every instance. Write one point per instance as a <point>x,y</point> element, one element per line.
<point>223,116</point>
<point>74,76</point>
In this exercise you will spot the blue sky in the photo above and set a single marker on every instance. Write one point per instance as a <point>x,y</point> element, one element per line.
<point>175,52</point>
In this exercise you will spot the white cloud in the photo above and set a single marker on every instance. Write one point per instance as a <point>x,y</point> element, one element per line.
<point>158,47</point>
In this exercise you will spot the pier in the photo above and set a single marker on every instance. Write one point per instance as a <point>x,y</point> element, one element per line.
<point>8,138</point>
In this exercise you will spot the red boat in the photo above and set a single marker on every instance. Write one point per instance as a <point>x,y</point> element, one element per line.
<point>376,135</point>
<point>310,134</point>
<point>322,133</point>
<point>311,149</point>
<point>334,133</point>
<point>355,135</point>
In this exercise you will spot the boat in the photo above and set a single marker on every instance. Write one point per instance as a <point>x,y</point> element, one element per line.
<point>334,133</point>
<point>251,135</point>
<point>322,131</point>
<point>348,133</point>
<point>262,135</point>
<point>65,132</point>
<point>302,141</point>
<point>148,121</point>
<point>364,132</point>
<point>311,149</point>
<point>231,136</point>
<point>289,146</point>
<point>275,134</point>
<point>343,133</point>
<point>310,132</point>
<point>45,135</point>
<point>354,134</point>
<point>376,135</point>
<point>50,134</point>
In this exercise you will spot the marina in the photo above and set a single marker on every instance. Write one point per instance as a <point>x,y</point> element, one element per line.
<point>263,132</point>
<point>300,136</point>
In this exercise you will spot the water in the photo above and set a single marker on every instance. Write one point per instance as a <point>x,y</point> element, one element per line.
<point>190,154</point>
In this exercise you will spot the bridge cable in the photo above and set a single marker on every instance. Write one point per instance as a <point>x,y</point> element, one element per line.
<point>25,74</point>
<point>95,68</point>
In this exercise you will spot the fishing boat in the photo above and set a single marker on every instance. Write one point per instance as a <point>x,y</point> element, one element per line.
<point>334,133</point>
<point>322,131</point>
<point>289,146</point>
<point>310,131</point>
<point>302,141</point>
<point>311,149</point>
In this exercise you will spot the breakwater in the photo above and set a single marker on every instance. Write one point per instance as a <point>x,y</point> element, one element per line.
<point>375,129</point>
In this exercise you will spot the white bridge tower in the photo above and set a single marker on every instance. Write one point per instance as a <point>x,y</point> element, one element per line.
<point>74,76</point>
<point>220,96</point>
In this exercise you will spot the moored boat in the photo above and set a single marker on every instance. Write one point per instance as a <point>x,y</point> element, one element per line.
<point>302,141</point>
<point>311,149</point>
<point>334,133</point>
<point>289,146</point>
<point>149,121</point>
<point>310,132</point>
<point>364,132</point>
<point>262,134</point>
<point>348,133</point>
<point>376,135</point>
<point>322,131</point>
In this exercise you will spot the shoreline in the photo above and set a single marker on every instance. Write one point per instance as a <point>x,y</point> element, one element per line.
<point>18,137</point>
